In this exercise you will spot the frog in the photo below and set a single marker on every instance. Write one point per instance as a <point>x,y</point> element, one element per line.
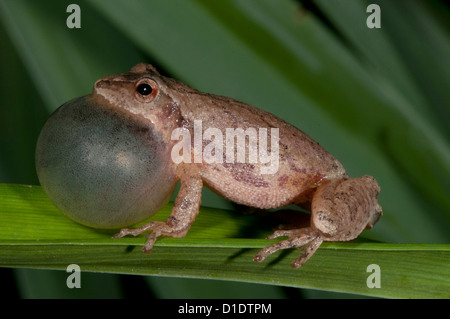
<point>135,115</point>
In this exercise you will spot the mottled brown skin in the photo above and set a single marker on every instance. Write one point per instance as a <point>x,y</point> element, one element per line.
<point>341,206</point>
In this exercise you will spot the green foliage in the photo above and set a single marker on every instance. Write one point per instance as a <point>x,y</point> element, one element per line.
<point>34,234</point>
<point>377,99</point>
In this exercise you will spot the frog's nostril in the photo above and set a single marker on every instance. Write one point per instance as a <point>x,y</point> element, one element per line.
<point>99,84</point>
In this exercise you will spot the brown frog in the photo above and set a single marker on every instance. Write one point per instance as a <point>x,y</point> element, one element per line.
<point>113,158</point>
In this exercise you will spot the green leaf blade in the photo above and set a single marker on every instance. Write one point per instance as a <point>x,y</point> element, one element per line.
<point>26,243</point>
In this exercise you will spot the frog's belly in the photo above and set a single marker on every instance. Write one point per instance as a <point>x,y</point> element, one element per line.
<point>243,183</point>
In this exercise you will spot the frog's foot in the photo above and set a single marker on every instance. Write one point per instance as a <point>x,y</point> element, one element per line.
<point>158,229</point>
<point>305,238</point>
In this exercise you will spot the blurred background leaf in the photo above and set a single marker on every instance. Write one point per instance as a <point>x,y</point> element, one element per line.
<point>377,99</point>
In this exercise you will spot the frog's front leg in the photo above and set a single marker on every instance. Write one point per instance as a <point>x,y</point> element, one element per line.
<point>184,212</point>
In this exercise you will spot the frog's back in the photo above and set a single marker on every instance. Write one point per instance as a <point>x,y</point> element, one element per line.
<point>301,166</point>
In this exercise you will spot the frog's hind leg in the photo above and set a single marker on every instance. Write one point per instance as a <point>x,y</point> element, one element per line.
<point>306,239</point>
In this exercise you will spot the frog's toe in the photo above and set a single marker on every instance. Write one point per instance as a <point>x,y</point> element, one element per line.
<point>123,232</point>
<point>151,239</point>
<point>134,232</point>
<point>306,252</point>
<point>161,229</point>
<point>305,238</point>
<point>285,232</point>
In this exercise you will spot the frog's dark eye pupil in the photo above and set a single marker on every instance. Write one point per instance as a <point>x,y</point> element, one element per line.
<point>144,89</point>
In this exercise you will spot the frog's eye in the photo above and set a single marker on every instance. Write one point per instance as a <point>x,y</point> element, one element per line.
<point>146,90</point>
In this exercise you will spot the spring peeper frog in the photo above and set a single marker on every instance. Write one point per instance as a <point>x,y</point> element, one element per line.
<point>113,158</point>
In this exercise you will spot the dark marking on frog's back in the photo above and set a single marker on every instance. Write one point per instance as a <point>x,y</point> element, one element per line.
<point>244,173</point>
